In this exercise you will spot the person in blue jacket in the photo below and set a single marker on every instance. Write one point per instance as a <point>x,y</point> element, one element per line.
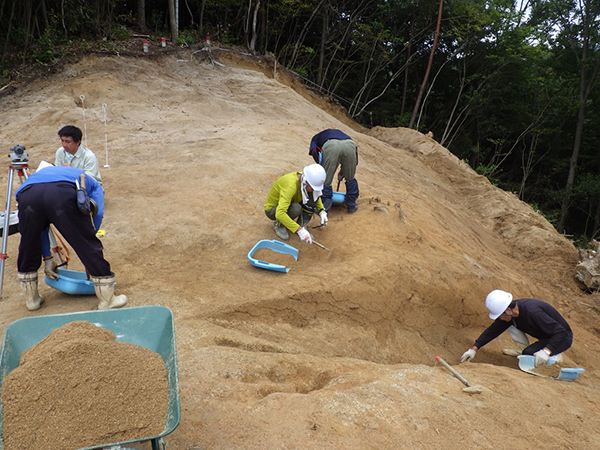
<point>332,148</point>
<point>49,196</point>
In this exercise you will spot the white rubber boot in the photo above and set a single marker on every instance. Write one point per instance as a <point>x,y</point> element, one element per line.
<point>521,341</point>
<point>29,286</point>
<point>105,290</point>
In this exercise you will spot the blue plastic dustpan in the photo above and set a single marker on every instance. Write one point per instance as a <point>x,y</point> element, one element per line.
<point>527,364</point>
<point>71,282</point>
<point>569,374</point>
<point>276,246</point>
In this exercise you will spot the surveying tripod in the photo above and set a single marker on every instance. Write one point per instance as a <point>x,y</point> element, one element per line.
<point>20,165</point>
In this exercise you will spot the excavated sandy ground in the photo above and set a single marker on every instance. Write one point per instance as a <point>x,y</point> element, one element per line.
<point>339,353</point>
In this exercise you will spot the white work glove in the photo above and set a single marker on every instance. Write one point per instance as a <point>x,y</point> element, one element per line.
<point>541,358</point>
<point>324,218</point>
<point>468,356</point>
<point>50,269</point>
<point>304,235</point>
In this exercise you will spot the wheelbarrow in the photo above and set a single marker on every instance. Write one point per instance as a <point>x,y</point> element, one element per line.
<point>150,327</point>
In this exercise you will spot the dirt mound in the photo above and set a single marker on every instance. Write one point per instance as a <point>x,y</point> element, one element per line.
<point>339,352</point>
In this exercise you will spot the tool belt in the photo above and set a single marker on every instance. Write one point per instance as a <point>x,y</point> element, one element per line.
<point>83,200</point>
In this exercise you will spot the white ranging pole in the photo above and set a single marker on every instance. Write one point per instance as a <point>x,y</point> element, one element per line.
<point>104,106</point>
<point>82,97</point>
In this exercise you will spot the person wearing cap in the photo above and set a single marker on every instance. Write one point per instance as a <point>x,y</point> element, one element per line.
<point>522,317</point>
<point>49,196</point>
<point>296,195</point>
<point>74,154</point>
<point>332,148</point>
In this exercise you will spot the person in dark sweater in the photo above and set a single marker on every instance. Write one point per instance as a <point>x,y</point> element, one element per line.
<point>528,316</point>
<point>333,148</point>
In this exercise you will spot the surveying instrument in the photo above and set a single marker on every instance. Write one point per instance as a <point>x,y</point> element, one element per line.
<point>19,164</point>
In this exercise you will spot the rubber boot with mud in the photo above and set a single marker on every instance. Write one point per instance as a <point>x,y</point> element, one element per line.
<point>105,291</point>
<point>29,286</point>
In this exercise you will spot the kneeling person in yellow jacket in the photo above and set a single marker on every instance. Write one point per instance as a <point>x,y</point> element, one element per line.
<point>296,195</point>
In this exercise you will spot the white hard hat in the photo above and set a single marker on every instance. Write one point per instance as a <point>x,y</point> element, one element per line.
<point>497,301</point>
<point>315,176</point>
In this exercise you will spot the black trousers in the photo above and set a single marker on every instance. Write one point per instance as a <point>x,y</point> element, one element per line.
<point>43,204</point>
<point>562,346</point>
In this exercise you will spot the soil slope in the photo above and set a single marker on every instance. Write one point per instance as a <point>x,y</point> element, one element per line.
<point>339,353</point>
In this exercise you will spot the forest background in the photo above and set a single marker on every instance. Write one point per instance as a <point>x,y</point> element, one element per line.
<point>508,86</point>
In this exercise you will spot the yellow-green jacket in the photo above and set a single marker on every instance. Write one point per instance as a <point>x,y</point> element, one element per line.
<point>284,192</point>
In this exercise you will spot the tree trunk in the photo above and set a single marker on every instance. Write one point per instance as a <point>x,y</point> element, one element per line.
<point>173,21</point>
<point>586,85</point>
<point>566,203</point>
<point>45,14</point>
<point>141,15</point>
<point>8,32</point>
<point>410,40</point>
<point>201,19</point>
<point>254,16</point>
<point>305,29</point>
<point>324,26</point>
<point>429,64</point>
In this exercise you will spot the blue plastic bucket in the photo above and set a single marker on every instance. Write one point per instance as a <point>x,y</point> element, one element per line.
<point>338,198</point>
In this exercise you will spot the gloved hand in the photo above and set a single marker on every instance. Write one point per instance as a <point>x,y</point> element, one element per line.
<point>304,235</point>
<point>50,269</point>
<point>541,358</point>
<point>468,356</point>
<point>324,218</point>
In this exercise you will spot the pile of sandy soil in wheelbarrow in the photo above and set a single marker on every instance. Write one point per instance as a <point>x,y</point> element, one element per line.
<point>79,387</point>
<point>340,352</point>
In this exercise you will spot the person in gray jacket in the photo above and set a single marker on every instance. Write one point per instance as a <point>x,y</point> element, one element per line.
<point>74,154</point>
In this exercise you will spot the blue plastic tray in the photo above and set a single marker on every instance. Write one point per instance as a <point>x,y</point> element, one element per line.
<point>150,327</point>
<point>72,282</point>
<point>276,246</point>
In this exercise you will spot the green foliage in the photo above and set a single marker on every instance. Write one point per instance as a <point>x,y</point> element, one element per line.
<point>189,38</point>
<point>587,187</point>
<point>487,171</point>
<point>156,22</point>
<point>121,25</point>
<point>46,51</point>
<point>4,76</point>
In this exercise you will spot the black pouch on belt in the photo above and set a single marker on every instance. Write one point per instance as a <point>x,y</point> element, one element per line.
<point>83,200</point>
